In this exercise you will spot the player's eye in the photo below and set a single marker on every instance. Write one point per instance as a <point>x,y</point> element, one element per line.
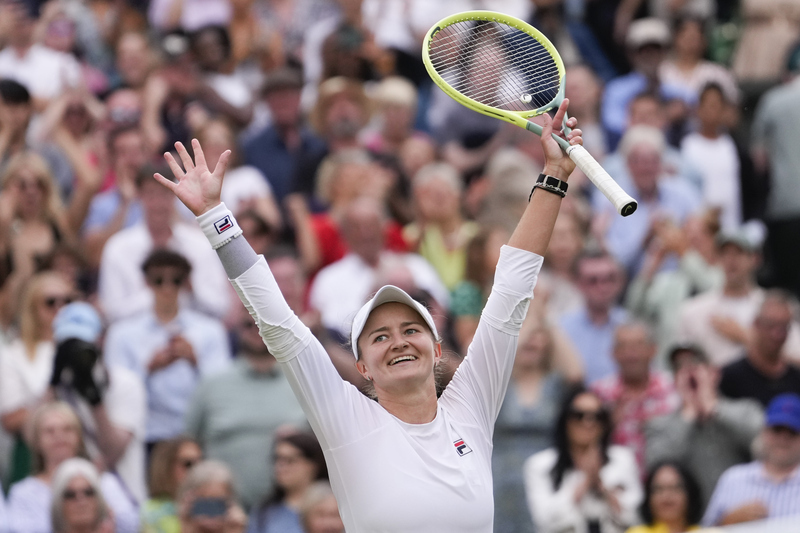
<point>380,338</point>
<point>411,331</point>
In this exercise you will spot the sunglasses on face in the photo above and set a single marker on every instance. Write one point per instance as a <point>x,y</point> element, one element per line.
<point>70,494</point>
<point>55,302</point>
<point>588,416</point>
<point>187,463</point>
<point>159,281</point>
<point>25,185</point>
<point>597,280</point>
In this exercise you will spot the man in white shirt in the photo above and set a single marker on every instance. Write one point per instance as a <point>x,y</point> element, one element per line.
<point>341,288</point>
<point>122,289</point>
<point>45,72</point>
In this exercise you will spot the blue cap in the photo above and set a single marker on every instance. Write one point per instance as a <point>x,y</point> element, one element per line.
<point>77,320</point>
<point>784,410</point>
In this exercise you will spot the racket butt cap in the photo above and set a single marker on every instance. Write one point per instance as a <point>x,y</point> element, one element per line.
<point>629,208</point>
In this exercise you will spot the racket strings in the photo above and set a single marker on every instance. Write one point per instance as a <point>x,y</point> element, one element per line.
<point>496,65</point>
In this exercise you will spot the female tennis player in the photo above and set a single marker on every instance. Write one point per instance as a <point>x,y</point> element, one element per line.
<point>408,462</point>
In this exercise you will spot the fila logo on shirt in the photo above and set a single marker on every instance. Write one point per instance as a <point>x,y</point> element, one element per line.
<point>462,448</point>
<point>223,224</point>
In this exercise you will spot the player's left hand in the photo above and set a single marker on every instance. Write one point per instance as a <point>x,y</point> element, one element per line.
<point>557,163</point>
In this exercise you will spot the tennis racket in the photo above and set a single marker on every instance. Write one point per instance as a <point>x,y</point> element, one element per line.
<point>505,68</point>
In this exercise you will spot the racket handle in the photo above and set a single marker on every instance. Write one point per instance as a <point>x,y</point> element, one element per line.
<point>623,202</point>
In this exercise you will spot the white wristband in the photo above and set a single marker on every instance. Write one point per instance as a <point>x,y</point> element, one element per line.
<point>219,226</point>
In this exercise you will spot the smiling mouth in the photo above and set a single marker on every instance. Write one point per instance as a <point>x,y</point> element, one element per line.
<point>401,359</point>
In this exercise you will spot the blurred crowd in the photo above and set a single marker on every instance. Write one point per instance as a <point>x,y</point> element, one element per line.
<point>654,388</point>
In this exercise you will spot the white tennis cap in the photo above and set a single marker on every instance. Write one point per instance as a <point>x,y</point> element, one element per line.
<point>387,294</point>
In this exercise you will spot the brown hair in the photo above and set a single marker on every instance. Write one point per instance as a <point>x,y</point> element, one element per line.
<point>30,330</point>
<point>160,481</point>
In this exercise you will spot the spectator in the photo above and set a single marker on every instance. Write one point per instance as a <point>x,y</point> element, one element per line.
<point>768,487</point>
<point>714,155</point>
<point>298,463</point>
<point>769,32</point>
<point>220,416</point>
<point>26,363</point>
<point>591,328</point>
<point>657,295</point>
<point>687,67</point>
<point>672,501</point>
<point>440,234</point>
<point>340,289</point>
<point>396,101</point>
<point>764,372</point>
<point>646,40</point>
<point>281,148</point>
<point>584,90</point>
<point>79,505</point>
<point>134,60</point>
<point>110,402</point>
<point>636,393</point>
<point>207,501</point>
<point>170,463</point>
<point>169,348</point>
<point>45,72</point>
<point>660,198</point>
<point>319,511</point>
<point>719,321</point>
<point>33,222</point>
<point>558,284</point>
<point>776,120</point>
<point>56,437</point>
<point>708,433</point>
<point>122,289</point>
<point>583,483</point>
<point>526,421</point>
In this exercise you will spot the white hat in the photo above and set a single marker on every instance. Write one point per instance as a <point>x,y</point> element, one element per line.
<point>387,294</point>
<point>648,31</point>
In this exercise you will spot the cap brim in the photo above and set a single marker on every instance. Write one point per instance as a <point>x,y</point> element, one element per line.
<point>387,294</point>
<point>788,420</point>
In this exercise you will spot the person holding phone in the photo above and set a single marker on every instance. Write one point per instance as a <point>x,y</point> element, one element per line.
<point>207,501</point>
<point>409,461</point>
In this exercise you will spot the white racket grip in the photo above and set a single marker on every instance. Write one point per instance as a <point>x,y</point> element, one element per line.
<point>623,202</point>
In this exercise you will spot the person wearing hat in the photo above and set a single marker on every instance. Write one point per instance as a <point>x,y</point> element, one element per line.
<point>109,401</point>
<point>708,433</point>
<point>770,486</point>
<point>773,147</point>
<point>279,148</point>
<point>646,41</point>
<point>409,461</point>
<point>720,320</point>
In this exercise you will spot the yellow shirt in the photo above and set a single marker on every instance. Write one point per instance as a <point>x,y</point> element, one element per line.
<point>659,527</point>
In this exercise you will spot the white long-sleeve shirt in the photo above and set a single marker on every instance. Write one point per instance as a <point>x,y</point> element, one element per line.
<point>557,510</point>
<point>387,475</point>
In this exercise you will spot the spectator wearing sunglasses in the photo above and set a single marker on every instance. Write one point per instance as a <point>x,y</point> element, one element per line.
<point>78,502</point>
<point>583,483</point>
<point>170,463</point>
<point>169,347</point>
<point>26,362</point>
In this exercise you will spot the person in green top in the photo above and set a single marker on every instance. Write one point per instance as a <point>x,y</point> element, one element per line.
<point>170,462</point>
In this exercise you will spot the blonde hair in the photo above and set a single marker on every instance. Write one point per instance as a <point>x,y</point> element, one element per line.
<point>439,171</point>
<point>395,91</point>
<point>35,163</point>
<point>62,408</point>
<point>331,89</point>
<point>332,165</point>
<point>642,135</point>
<point>315,494</point>
<point>30,330</point>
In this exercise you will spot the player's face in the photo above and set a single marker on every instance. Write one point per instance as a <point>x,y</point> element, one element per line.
<point>397,350</point>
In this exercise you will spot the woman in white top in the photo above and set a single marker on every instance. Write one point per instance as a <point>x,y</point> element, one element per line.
<point>79,505</point>
<point>408,462</point>
<point>57,437</point>
<point>582,484</point>
<point>26,365</point>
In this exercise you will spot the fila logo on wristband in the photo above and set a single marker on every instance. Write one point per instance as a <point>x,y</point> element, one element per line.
<point>224,224</point>
<point>461,447</point>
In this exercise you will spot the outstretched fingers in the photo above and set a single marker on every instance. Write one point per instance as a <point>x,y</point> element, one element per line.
<point>174,166</point>
<point>199,156</point>
<point>165,182</point>
<point>222,164</point>
<point>186,159</point>
<point>562,112</point>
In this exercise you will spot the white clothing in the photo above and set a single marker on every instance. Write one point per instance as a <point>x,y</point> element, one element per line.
<point>29,506</point>
<point>231,88</point>
<point>555,511</point>
<point>341,288</point>
<point>695,325</point>
<point>717,162</point>
<point>3,513</point>
<point>126,404</point>
<point>243,184</point>
<point>195,14</point>
<point>704,73</point>
<point>23,381</point>
<point>122,289</point>
<point>387,475</point>
<point>44,72</point>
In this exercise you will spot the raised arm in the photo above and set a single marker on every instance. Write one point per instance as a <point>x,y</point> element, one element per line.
<point>536,225</point>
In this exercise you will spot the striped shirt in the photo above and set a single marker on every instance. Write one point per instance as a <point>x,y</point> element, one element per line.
<point>746,483</point>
